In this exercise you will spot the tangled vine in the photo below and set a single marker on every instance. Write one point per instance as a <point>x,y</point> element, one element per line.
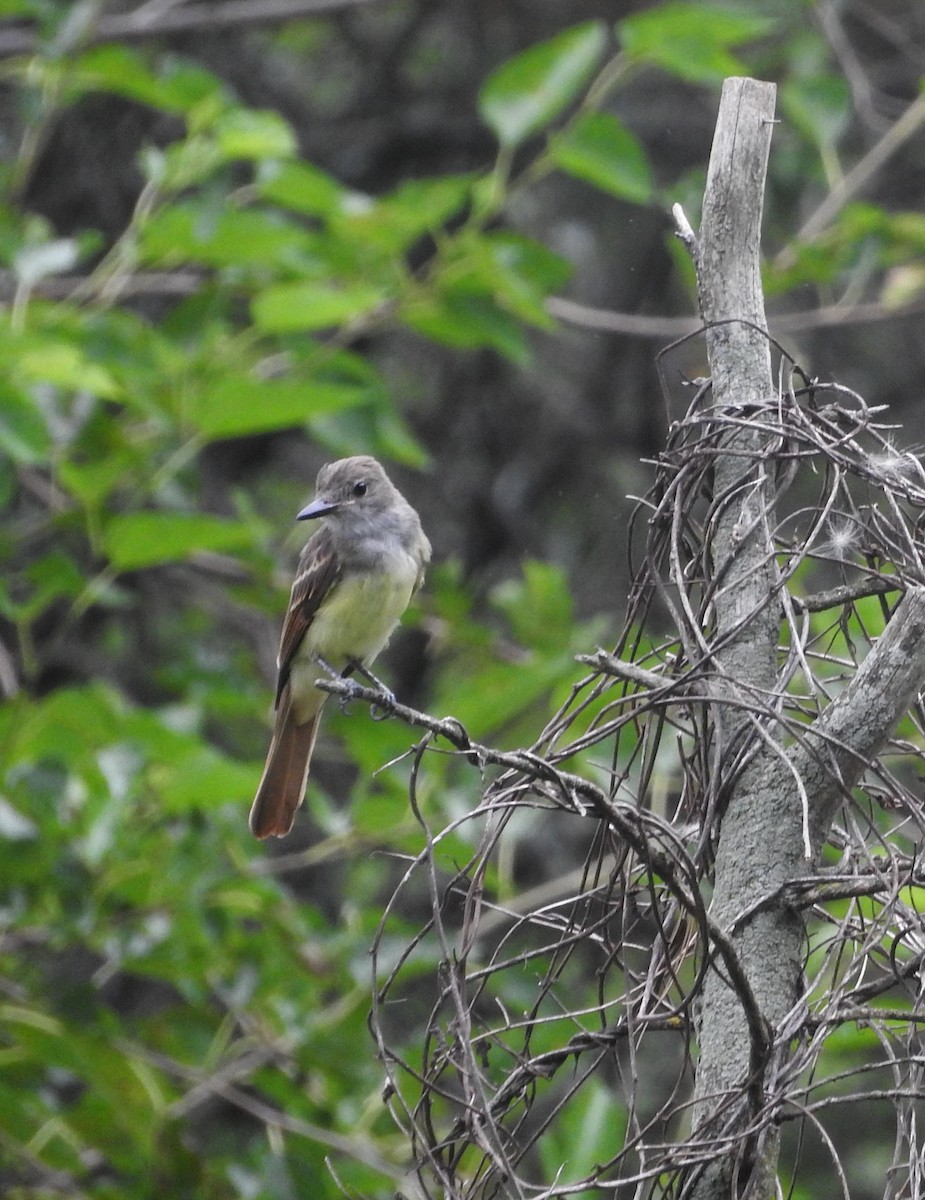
<point>561,1019</point>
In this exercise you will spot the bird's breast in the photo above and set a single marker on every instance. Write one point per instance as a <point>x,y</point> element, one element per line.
<point>358,616</point>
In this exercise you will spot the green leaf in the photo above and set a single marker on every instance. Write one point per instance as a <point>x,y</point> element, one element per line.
<point>179,88</point>
<point>528,91</point>
<point>461,318</point>
<point>522,273</point>
<point>254,134</point>
<point>54,575</point>
<point>288,307</point>
<point>600,150</point>
<point>376,426</point>
<point>114,1107</point>
<point>416,208</point>
<point>539,608</point>
<point>144,539</point>
<point>91,482</point>
<point>394,437</point>
<point>24,435</point>
<point>65,366</point>
<point>504,691</point>
<point>64,726</point>
<point>690,40</point>
<point>202,778</point>
<point>237,405</point>
<point>234,238</point>
<point>303,188</point>
<point>495,276</point>
<point>182,164</point>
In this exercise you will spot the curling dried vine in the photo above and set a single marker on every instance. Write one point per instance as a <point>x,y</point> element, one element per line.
<point>575,1000</point>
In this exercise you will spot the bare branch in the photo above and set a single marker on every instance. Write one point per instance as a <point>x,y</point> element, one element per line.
<point>859,176</point>
<point>827,316</point>
<point>145,22</point>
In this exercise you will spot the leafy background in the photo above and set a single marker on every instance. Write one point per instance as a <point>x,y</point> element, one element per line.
<point>230,253</point>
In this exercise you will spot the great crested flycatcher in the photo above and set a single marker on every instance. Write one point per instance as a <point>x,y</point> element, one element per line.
<point>356,575</point>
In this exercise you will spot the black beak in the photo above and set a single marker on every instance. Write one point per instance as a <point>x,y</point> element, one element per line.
<point>317,508</point>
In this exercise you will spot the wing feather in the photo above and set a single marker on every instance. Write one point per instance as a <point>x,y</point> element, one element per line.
<point>318,571</point>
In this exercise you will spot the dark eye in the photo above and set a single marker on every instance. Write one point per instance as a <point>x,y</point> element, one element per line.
<point>359,488</point>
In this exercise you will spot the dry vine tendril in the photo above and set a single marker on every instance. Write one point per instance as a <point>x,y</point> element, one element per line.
<point>583,990</point>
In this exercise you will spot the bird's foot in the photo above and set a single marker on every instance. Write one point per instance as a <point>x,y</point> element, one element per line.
<point>380,707</point>
<point>343,698</point>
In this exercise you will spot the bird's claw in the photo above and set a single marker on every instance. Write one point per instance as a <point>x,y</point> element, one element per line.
<point>349,694</point>
<point>380,708</point>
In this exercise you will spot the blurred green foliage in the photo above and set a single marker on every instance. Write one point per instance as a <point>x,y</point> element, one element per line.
<point>175,1019</point>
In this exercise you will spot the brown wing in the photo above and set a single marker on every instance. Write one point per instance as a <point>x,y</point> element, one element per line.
<point>317,574</point>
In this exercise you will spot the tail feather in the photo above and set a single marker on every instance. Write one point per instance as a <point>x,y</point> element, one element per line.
<point>285,774</point>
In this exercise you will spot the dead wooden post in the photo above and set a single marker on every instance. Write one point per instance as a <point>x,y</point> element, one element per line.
<point>777,802</point>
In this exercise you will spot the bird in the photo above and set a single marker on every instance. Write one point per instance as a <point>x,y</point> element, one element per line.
<point>356,576</point>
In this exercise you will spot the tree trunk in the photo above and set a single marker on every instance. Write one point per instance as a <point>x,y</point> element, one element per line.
<point>776,802</point>
<point>760,846</point>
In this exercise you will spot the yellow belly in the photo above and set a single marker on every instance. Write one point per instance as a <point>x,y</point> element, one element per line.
<point>354,622</point>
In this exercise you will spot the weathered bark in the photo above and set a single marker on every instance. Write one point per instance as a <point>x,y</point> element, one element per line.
<point>760,846</point>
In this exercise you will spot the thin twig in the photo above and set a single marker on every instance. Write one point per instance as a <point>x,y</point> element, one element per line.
<point>145,22</point>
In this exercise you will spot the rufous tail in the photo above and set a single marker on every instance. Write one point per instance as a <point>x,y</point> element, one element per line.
<point>283,783</point>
